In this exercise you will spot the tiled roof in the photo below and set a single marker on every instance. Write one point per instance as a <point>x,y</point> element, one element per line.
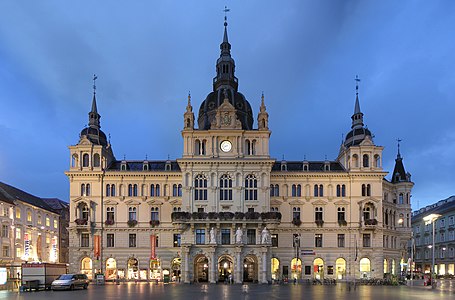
<point>56,203</point>
<point>158,165</point>
<point>313,166</point>
<point>440,207</point>
<point>10,194</point>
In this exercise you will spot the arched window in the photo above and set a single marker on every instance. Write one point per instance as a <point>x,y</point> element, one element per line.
<point>179,190</point>
<point>293,190</point>
<point>96,160</point>
<point>318,213</point>
<point>154,214</point>
<point>225,188</point>
<point>364,190</point>
<point>108,190</point>
<point>341,214</point>
<point>272,191</point>
<point>83,189</point>
<point>87,189</point>
<point>157,190</point>
<point>377,161</point>
<point>197,147</point>
<point>316,190</point>
<point>130,190</point>
<point>152,190</point>
<point>135,190</point>
<point>368,190</point>
<point>343,190</point>
<point>401,199</point>
<point>110,213</point>
<point>85,212</point>
<point>321,190</point>
<point>366,213</point>
<point>251,188</point>
<point>113,190</point>
<point>174,190</point>
<point>253,147</point>
<point>277,190</point>
<point>355,161</point>
<point>296,190</point>
<point>74,161</point>
<point>200,187</point>
<point>85,160</point>
<point>366,161</point>
<point>338,190</point>
<point>132,213</point>
<point>247,147</point>
<point>296,213</point>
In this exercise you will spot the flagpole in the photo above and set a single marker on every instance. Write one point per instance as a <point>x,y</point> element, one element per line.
<point>355,257</point>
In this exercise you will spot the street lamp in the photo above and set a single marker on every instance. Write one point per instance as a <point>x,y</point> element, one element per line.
<point>428,220</point>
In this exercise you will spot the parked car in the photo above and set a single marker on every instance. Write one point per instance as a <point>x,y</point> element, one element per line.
<point>70,282</point>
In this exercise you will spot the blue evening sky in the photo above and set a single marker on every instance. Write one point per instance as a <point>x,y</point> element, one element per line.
<point>304,55</point>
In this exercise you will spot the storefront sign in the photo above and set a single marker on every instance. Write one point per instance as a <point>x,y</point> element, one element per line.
<point>54,249</point>
<point>26,245</point>
<point>152,246</point>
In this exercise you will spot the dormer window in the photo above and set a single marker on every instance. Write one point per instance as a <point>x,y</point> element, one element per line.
<point>168,166</point>
<point>123,166</point>
<point>145,166</point>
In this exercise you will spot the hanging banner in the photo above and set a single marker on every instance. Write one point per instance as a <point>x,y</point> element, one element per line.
<point>38,247</point>
<point>152,246</point>
<point>97,247</point>
<point>54,249</point>
<point>26,245</point>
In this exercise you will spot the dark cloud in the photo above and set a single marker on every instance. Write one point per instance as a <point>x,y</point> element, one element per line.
<point>303,54</point>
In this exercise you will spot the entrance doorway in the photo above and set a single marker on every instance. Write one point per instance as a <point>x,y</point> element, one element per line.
<point>250,269</point>
<point>111,269</point>
<point>133,271</point>
<point>296,268</point>
<point>340,265</point>
<point>176,271</point>
<point>225,268</point>
<point>86,267</point>
<point>201,269</point>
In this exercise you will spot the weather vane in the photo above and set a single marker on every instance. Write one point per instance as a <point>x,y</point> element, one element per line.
<point>357,80</point>
<point>398,141</point>
<point>94,83</point>
<point>226,10</point>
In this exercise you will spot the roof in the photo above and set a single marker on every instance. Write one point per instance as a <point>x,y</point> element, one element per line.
<point>10,194</point>
<point>440,207</point>
<point>313,166</point>
<point>158,165</point>
<point>399,174</point>
<point>56,203</point>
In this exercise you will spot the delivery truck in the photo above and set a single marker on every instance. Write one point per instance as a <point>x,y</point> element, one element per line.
<point>36,276</point>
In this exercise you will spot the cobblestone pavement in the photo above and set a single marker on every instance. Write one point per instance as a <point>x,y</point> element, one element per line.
<point>148,291</point>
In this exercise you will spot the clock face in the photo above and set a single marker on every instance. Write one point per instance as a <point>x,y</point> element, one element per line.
<point>226,146</point>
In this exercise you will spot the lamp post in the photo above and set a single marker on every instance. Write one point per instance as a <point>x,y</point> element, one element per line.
<point>428,220</point>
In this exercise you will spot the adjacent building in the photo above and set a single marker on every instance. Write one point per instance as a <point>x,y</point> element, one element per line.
<point>227,209</point>
<point>29,230</point>
<point>442,217</point>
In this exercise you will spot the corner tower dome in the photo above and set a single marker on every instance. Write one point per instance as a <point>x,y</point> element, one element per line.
<point>225,81</point>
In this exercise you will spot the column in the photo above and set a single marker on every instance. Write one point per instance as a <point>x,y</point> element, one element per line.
<point>264,265</point>
<point>238,266</point>
<point>186,271</point>
<point>212,266</point>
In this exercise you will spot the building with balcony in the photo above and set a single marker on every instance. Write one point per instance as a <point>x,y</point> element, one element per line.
<point>227,209</point>
<point>444,238</point>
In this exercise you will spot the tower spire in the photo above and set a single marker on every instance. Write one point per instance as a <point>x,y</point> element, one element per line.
<point>93,116</point>
<point>398,143</point>
<point>357,117</point>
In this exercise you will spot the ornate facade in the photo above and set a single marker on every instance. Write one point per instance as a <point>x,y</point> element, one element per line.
<point>227,210</point>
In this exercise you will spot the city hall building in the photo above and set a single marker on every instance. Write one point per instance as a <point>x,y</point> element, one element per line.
<point>227,210</point>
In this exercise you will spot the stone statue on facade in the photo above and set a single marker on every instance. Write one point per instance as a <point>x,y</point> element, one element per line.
<point>213,236</point>
<point>238,236</point>
<point>265,236</point>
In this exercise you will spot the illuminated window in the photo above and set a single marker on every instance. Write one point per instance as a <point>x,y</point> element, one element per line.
<point>39,220</point>
<point>55,224</point>
<point>18,213</point>
<point>18,234</point>
<point>48,221</point>
<point>18,252</point>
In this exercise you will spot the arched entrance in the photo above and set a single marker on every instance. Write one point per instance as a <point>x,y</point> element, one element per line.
<point>86,267</point>
<point>201,269</point>
<point>318,268</point>
<point>393,267</point>
<point>133,269</point>
<point>250,269</point>
<point>111,269</point>
<point>365,268</point>
<point>225,268</point>
<point>176,269</point>
<point>296,268</point>
<point>386,266</point>
<point>340,265</point>
<point>155,269</point>
<point>275,268</point>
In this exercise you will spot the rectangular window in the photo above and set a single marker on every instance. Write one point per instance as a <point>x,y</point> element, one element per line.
<point>251,236</point>
<point>55,224</point>
<point>132,240</point>
<point>85,242</point>
<point>307,270</point>
<point>18,233</point>
<point>177,240</point>
<point>200,236</point>
<point>451,218</point>
<point>18,252</point>
<point>5,251</point>
<point>48,222</point>
<point>225,236</point>
<point>329,270</point>
<point>442,223</point>
<point>295,240</point>
<point>18,213</point>
<point>5,231</point>
<point>110,240</point>
<point>341,241</point>
<point>274,238</point>
<point>318,240</point>
<point>366,240</point>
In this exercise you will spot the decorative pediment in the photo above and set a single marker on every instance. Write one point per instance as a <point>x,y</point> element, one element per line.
<point>367,141</point>
<point>296,202</point>
<point>341,202</point>
<point>132,202</point>
<point>226,117</point>
<point>275,202</point>
<point>174,202</point>
<point>155,202</point>
<point>371,199</point>
<point>110,202</point>
<point>81,199</point>
<point>319,202</point>
<point>84,141</point>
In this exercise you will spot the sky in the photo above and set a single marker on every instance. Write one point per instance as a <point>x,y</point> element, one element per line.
<point>304,56</point>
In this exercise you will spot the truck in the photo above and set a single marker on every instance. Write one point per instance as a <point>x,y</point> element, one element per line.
<point>36,276</point>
